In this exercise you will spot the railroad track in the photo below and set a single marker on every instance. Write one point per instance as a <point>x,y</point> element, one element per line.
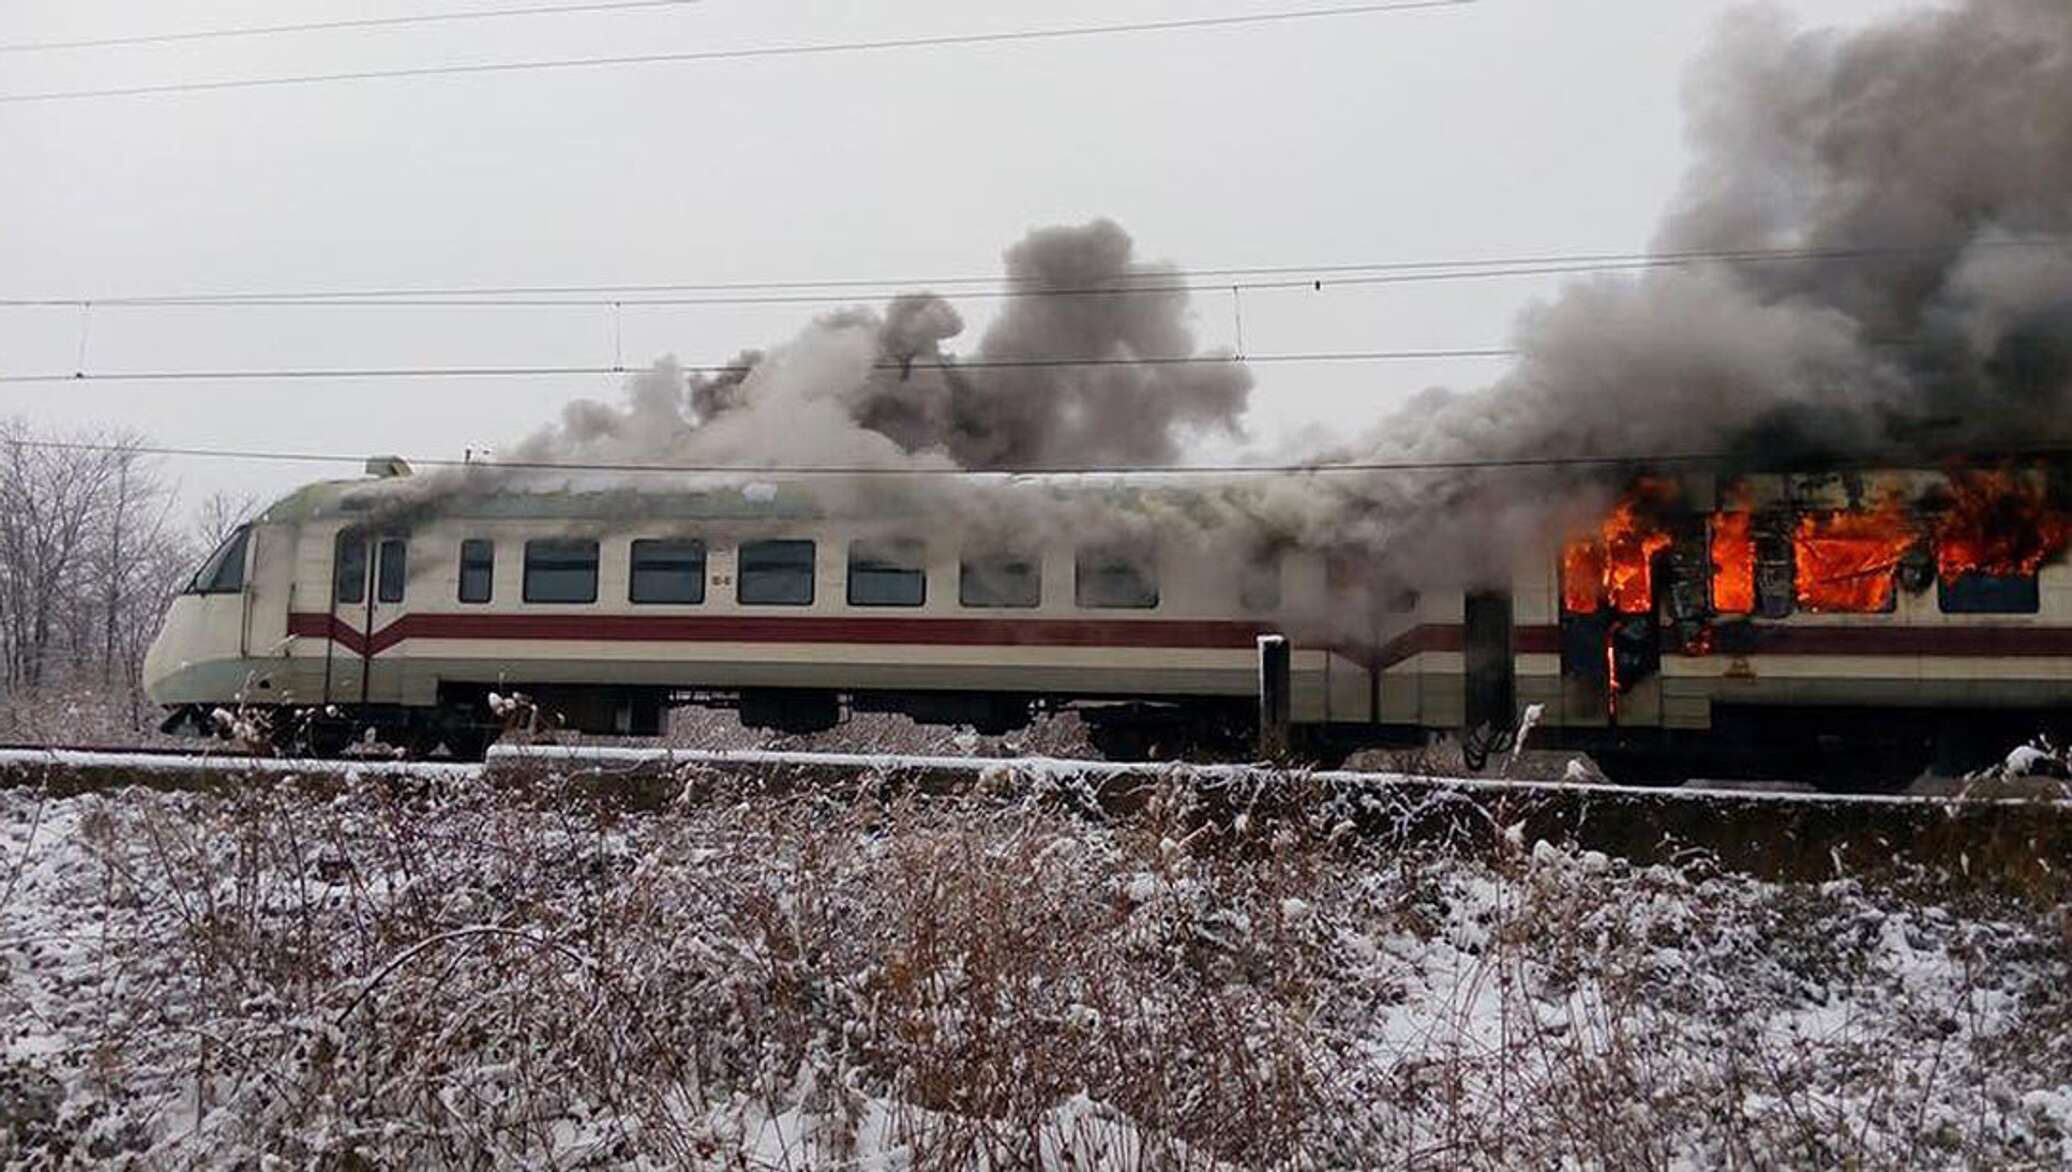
<point>602,761</point>
<point>134,750</point>
<point>1776,834</point>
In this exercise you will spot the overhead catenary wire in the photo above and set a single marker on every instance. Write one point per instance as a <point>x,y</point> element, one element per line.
<point>464,372</point>
<point>1190,280</point>
<point>746,53</point>
<point>342,25</point>
<point>1623,460</point>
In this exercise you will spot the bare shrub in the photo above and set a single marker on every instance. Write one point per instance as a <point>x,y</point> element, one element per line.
<point>432,971</point>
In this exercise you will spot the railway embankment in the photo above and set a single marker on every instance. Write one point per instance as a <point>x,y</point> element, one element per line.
<point>2020,842</point>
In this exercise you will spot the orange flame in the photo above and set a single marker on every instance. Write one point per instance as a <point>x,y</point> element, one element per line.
<point>1998,526</point>
<point>1733,562</point>
<point>1846,560</point>
<point>1616,564</point>
<point>1582,575</point>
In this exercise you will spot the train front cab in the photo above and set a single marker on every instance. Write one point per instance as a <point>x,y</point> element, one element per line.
<point>223,634</point>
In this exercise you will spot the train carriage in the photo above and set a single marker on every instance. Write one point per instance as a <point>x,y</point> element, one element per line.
<point>353,607</point>
<point>1762,623</point>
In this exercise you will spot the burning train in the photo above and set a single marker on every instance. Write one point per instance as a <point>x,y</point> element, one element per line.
<point>1820,623</point>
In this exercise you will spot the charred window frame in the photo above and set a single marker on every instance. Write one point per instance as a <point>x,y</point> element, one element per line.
<point>349,567</point>
<point>477,570</point>
<point>1776,565</point>
<point>560,569</point>
<point>1000,581</point>
<point>224,571</point>
<point>1113,577</point>
<point>667,571</point>
<point>888,573</point>
<point>392,569</point>
<point>777,572</point>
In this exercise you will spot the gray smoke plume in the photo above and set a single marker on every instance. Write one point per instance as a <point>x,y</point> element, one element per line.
<point>1919,173</point>
<point>1056,380</point>
<point>1923,170</point>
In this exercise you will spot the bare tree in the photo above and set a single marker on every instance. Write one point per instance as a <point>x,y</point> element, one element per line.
<point>222,512</point>
<point>89,557</point>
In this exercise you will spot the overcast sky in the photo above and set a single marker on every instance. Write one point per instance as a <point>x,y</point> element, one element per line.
<point>1504,128</point>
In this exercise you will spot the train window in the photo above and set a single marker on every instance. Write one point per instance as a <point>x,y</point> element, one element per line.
<point>1731,536</point>
<point>224,572</point>
<point>1115,577</point>
<point>667,571</point>
<point>560,569</point>
<point>775,573</point>
<point>392,571</point>
<point>1000,581</point>
<point>1848,562</point>
<point>349,567</point>
<point>1988,594</point>
<point>477,569</point>
<point>1259,583</point>
<point>888,573</point>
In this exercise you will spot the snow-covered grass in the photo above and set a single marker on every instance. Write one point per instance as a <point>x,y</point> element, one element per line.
<point>442,972</point>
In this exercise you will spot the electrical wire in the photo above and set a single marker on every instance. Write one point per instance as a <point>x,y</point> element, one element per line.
<point>748,53</point>
<point>1317,277</point>
<point>741,368</point>
<point>314,26</point>
<point>1636,460</point>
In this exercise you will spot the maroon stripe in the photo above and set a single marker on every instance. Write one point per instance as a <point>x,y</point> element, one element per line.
<point>1933,642</point>
<point>1541,640</point>
<point>1453,637</point>
<point>1941,642</point>
<point>324,626</point>
<point>1938,642</point>
<point>1418,640</point>
<point>1187,633</point>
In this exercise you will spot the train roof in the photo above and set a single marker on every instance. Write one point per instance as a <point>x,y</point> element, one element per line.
<point>494,494</point>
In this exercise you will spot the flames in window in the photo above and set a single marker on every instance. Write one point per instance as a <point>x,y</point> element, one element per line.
<point>1615,565</point>
<point>1989,524</point>
<point>1733,561</point>
<point>1848,560</point>
<point>1998,525</point>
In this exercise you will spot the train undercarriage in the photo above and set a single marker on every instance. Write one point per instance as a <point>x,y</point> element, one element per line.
<point>1837,747</point>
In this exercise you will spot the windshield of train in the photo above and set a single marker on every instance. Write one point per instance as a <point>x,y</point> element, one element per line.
<point>224,572</point>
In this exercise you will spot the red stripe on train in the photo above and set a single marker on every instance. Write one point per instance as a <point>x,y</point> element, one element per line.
<point>1938,642</point>
<point>1928,642</point>
<point>1168,633</point>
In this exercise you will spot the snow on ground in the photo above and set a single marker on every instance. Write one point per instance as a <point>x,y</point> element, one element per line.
<point>1057,769</point>
<point>454,973</point>
<point>147,761</point>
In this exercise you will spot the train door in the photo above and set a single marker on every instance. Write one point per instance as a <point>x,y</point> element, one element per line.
<point>1489,662</point>
<point>369,577</point>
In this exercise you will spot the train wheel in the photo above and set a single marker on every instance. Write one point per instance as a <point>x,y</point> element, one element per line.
<point>468,742</point>
<point>307,735</point>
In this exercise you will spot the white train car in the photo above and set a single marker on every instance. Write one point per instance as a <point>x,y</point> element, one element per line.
<point>1794,623</point>
<point>352,606</point>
